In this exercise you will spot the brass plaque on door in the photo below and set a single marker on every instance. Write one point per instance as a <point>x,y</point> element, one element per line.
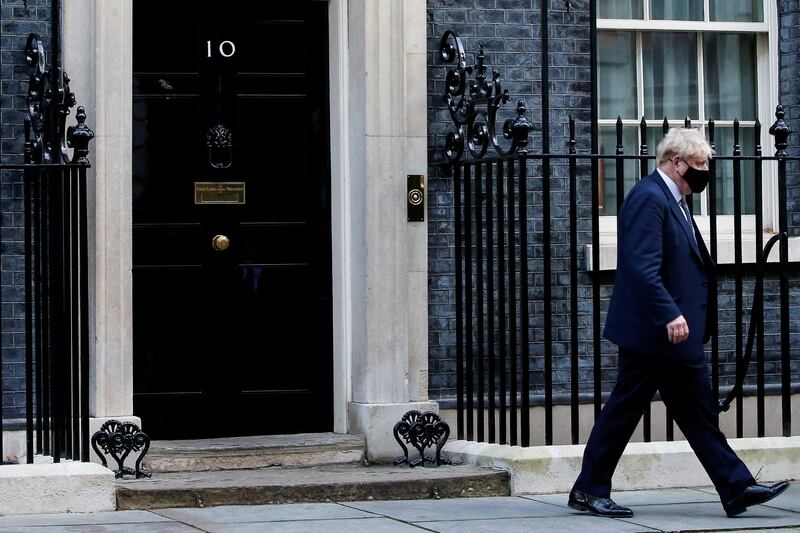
<point>219,192</point>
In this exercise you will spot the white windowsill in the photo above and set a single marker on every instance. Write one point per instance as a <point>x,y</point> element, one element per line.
<point>725,251</point>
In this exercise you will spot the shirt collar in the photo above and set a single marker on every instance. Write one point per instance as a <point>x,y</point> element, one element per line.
<point>673,187</point>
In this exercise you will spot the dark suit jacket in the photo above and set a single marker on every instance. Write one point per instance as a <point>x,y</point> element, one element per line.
<point>661,274</point>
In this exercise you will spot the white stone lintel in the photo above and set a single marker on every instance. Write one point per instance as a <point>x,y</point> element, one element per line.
<point>376,421</point>
<point>644,465</point>
<point>68,487</point>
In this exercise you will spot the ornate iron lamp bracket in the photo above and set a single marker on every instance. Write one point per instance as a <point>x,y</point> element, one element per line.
<point>421,430</point>
<point>119,439</point>
<point>49,101</point>
<point>473,107</point>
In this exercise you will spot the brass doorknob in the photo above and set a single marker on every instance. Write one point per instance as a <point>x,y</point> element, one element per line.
<point>220,243</point>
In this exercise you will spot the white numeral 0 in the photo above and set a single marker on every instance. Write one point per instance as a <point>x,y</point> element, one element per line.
<point>231,48</point>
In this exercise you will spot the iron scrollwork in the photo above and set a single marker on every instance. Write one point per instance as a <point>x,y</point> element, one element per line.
<point>421,430</point>
<point>119,439</point>
<point>49,101</point>
<point>474,105</point>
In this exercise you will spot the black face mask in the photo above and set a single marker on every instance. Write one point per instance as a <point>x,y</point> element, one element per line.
<point>697,179</point>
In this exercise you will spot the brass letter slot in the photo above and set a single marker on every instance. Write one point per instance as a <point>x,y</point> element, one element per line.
<point>218,192</point>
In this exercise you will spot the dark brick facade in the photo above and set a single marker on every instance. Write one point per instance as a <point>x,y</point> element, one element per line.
<point>789,44</point>
<point>509,31</point>
<point>16,22</point>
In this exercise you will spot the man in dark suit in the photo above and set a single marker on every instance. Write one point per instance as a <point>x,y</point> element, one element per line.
<point>659,317</point>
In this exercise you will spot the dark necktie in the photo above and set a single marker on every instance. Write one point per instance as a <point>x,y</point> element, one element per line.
<point>685,209</point>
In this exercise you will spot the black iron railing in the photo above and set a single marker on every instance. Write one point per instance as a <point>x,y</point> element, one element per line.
<point>56,266</point>
<point>493,252</point>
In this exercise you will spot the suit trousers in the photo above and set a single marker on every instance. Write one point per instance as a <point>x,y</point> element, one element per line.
<point>686,390</point>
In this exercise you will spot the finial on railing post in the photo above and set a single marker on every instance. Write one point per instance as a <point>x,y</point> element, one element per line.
<point>78,137</point>
<point>520,128</point>
<point>781,131</point>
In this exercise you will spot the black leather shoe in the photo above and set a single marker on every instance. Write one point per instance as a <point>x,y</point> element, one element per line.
<point>597,506</point>
<point>753,495</point>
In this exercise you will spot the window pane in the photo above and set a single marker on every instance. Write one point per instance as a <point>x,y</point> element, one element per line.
<point>607,173</point>
<point>677,9</point>
<point>654,136</point>
<point>670,75</point>
<point>730,75</point>
<point>737,10</point>
<point>723,139</point>
<point>619,9</point>
<point>616,74</point>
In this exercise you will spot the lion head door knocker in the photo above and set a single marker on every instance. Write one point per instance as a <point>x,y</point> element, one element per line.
<point>219,141</point>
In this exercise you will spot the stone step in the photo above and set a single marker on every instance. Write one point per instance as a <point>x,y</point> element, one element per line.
<point>311,484</point>
<point>242,453</point>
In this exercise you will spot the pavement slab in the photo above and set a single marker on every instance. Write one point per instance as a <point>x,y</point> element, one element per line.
<point>232,514</point>
<point>789,500</point>
<point>460,509</point>
<point>655,510</point>
<point>561,524</point>
<point>708,516</point>
<point>163,527</point>
<point>77,519</point>
<point>353,525</point>
<point>632,498</point>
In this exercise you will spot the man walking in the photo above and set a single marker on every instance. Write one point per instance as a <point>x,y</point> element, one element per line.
<point>659,317</point>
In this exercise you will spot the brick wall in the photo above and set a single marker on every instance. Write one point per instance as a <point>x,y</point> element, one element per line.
<point>789,44</point>
<point>16,22</point>
<point>509,31</point>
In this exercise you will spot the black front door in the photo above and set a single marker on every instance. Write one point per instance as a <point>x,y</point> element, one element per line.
<point>231,219</point>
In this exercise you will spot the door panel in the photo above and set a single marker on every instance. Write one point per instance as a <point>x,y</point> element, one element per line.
<point>233,341</point>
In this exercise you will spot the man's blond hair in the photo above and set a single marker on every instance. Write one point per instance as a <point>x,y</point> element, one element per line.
<point>683,142</point>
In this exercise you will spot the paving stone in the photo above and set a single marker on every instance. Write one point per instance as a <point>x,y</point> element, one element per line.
<point>709,516</point>
<point>461,509</point>
<point>789,500</point>
<point>113,517</point>
<point>353,525</point>
<point>231,514</point>
<point>561,524</point>
<point>162,527</point>
<point>639,497</point>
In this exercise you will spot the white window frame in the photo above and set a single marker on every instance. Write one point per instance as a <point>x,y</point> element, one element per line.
<point>767,67</point>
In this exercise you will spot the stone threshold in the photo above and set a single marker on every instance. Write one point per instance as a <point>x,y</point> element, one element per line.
<point>239,453</point>
<point>312,484</point>
<point>644,465</point>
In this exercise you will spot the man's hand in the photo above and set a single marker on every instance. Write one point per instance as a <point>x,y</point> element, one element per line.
<point>678,330</point>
